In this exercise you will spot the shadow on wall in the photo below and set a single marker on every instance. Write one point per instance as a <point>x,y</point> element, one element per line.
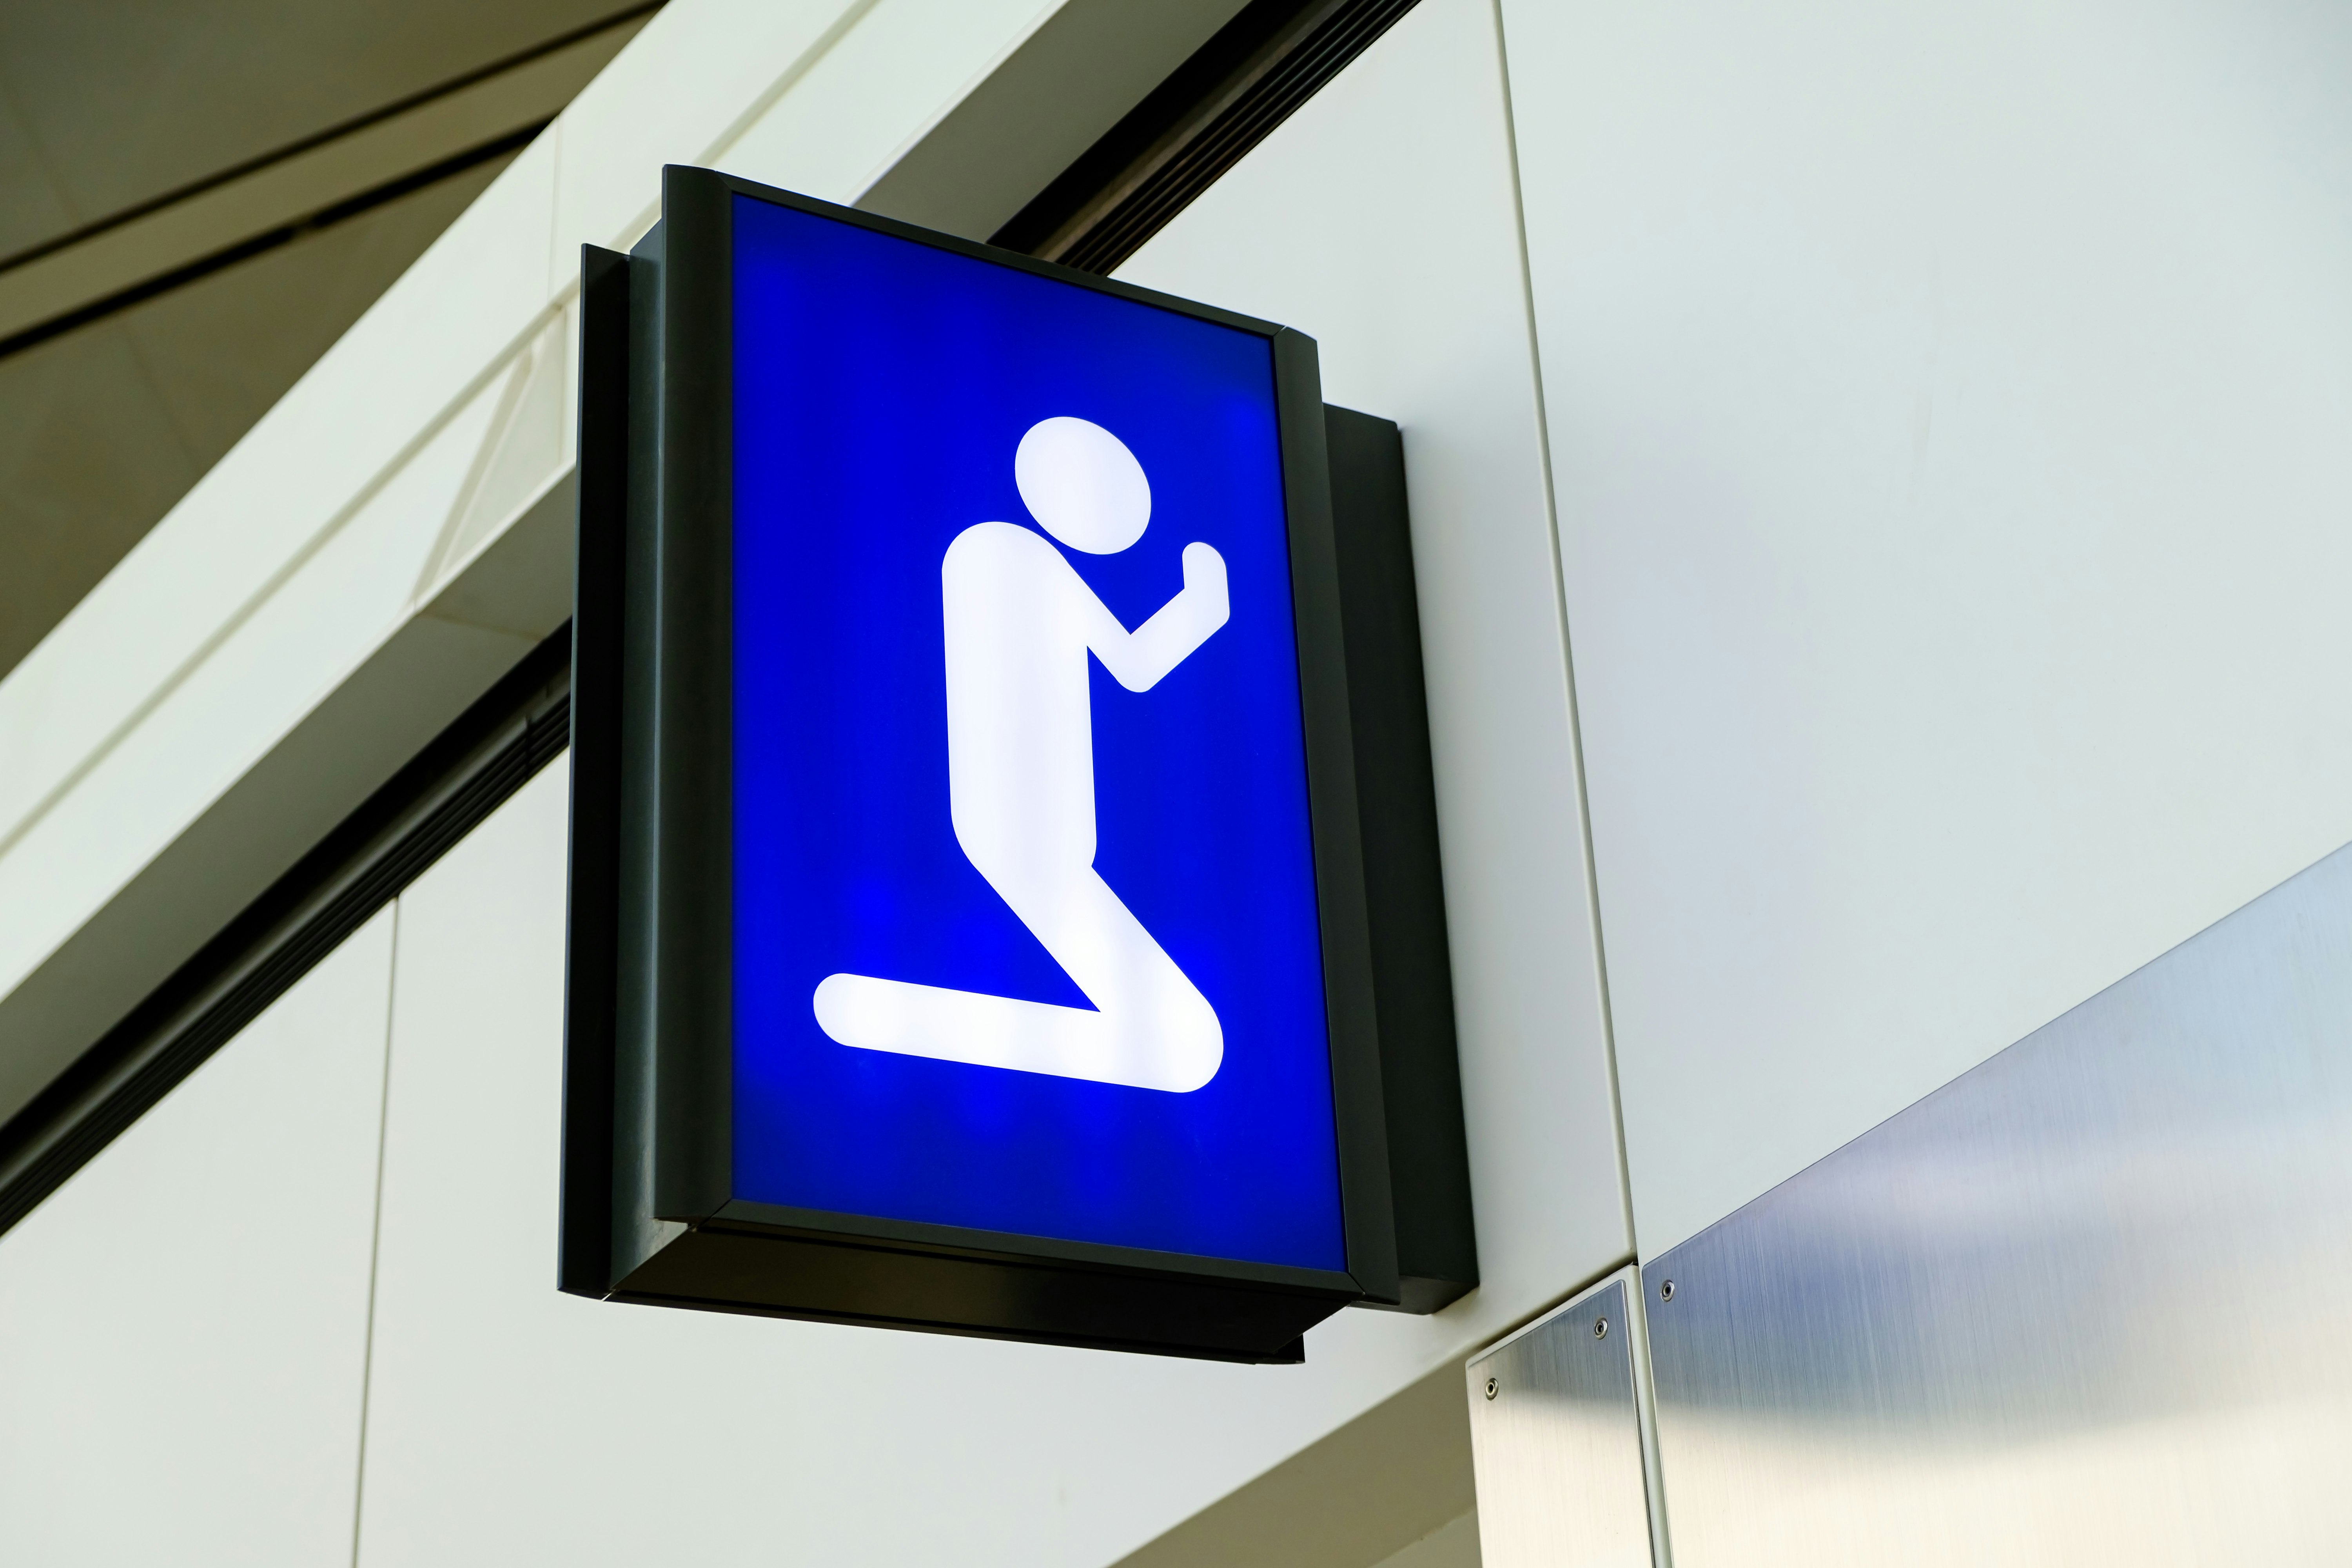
<point>1392,1489</point>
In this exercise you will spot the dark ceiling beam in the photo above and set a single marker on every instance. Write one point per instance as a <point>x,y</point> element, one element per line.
<point>322,179</point>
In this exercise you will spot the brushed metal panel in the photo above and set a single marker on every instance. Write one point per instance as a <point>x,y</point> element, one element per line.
<point>1557,1444</point>
<point>2084,1304</point>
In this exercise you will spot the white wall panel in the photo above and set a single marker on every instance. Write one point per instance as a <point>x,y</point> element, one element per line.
<point>184,1324</point>
<point>1947,406</point>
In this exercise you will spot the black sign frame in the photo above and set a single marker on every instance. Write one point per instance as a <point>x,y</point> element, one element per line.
<point>648,1212</point>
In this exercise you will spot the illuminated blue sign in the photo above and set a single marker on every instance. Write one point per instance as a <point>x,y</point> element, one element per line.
<point>1005,895</point>
<point>1024,908</point>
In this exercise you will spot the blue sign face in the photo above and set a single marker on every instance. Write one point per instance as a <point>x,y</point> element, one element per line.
<point>1024,920</point>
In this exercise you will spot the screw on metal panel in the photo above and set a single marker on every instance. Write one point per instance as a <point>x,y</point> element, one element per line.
<point>1667,1291</point>
<point>1492,1388</point>
<point>1600,1328</point>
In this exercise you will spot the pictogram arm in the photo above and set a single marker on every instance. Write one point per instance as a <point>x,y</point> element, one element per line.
<point>1140,658</point>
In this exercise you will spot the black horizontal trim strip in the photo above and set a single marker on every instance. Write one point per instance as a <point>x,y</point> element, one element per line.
<point>491,751</point>
<point>334,132</point>
<point>1254,75</point>
<point>245,249</point>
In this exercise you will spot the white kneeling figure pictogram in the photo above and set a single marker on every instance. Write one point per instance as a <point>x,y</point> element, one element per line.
<point>1020,625</point>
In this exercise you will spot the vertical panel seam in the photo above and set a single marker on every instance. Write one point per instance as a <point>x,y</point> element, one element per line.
<point>1567,652</point>
<point>1637,1310</point>
<point>375,1229</point>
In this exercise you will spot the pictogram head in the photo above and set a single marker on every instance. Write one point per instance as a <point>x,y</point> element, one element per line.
<point>1082,485</point>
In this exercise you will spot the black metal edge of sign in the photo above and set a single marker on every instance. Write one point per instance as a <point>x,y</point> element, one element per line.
<point>1350,1013</point>
<point>1404,883</point>
<point>649,1049</point>
<point>591,935</point>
